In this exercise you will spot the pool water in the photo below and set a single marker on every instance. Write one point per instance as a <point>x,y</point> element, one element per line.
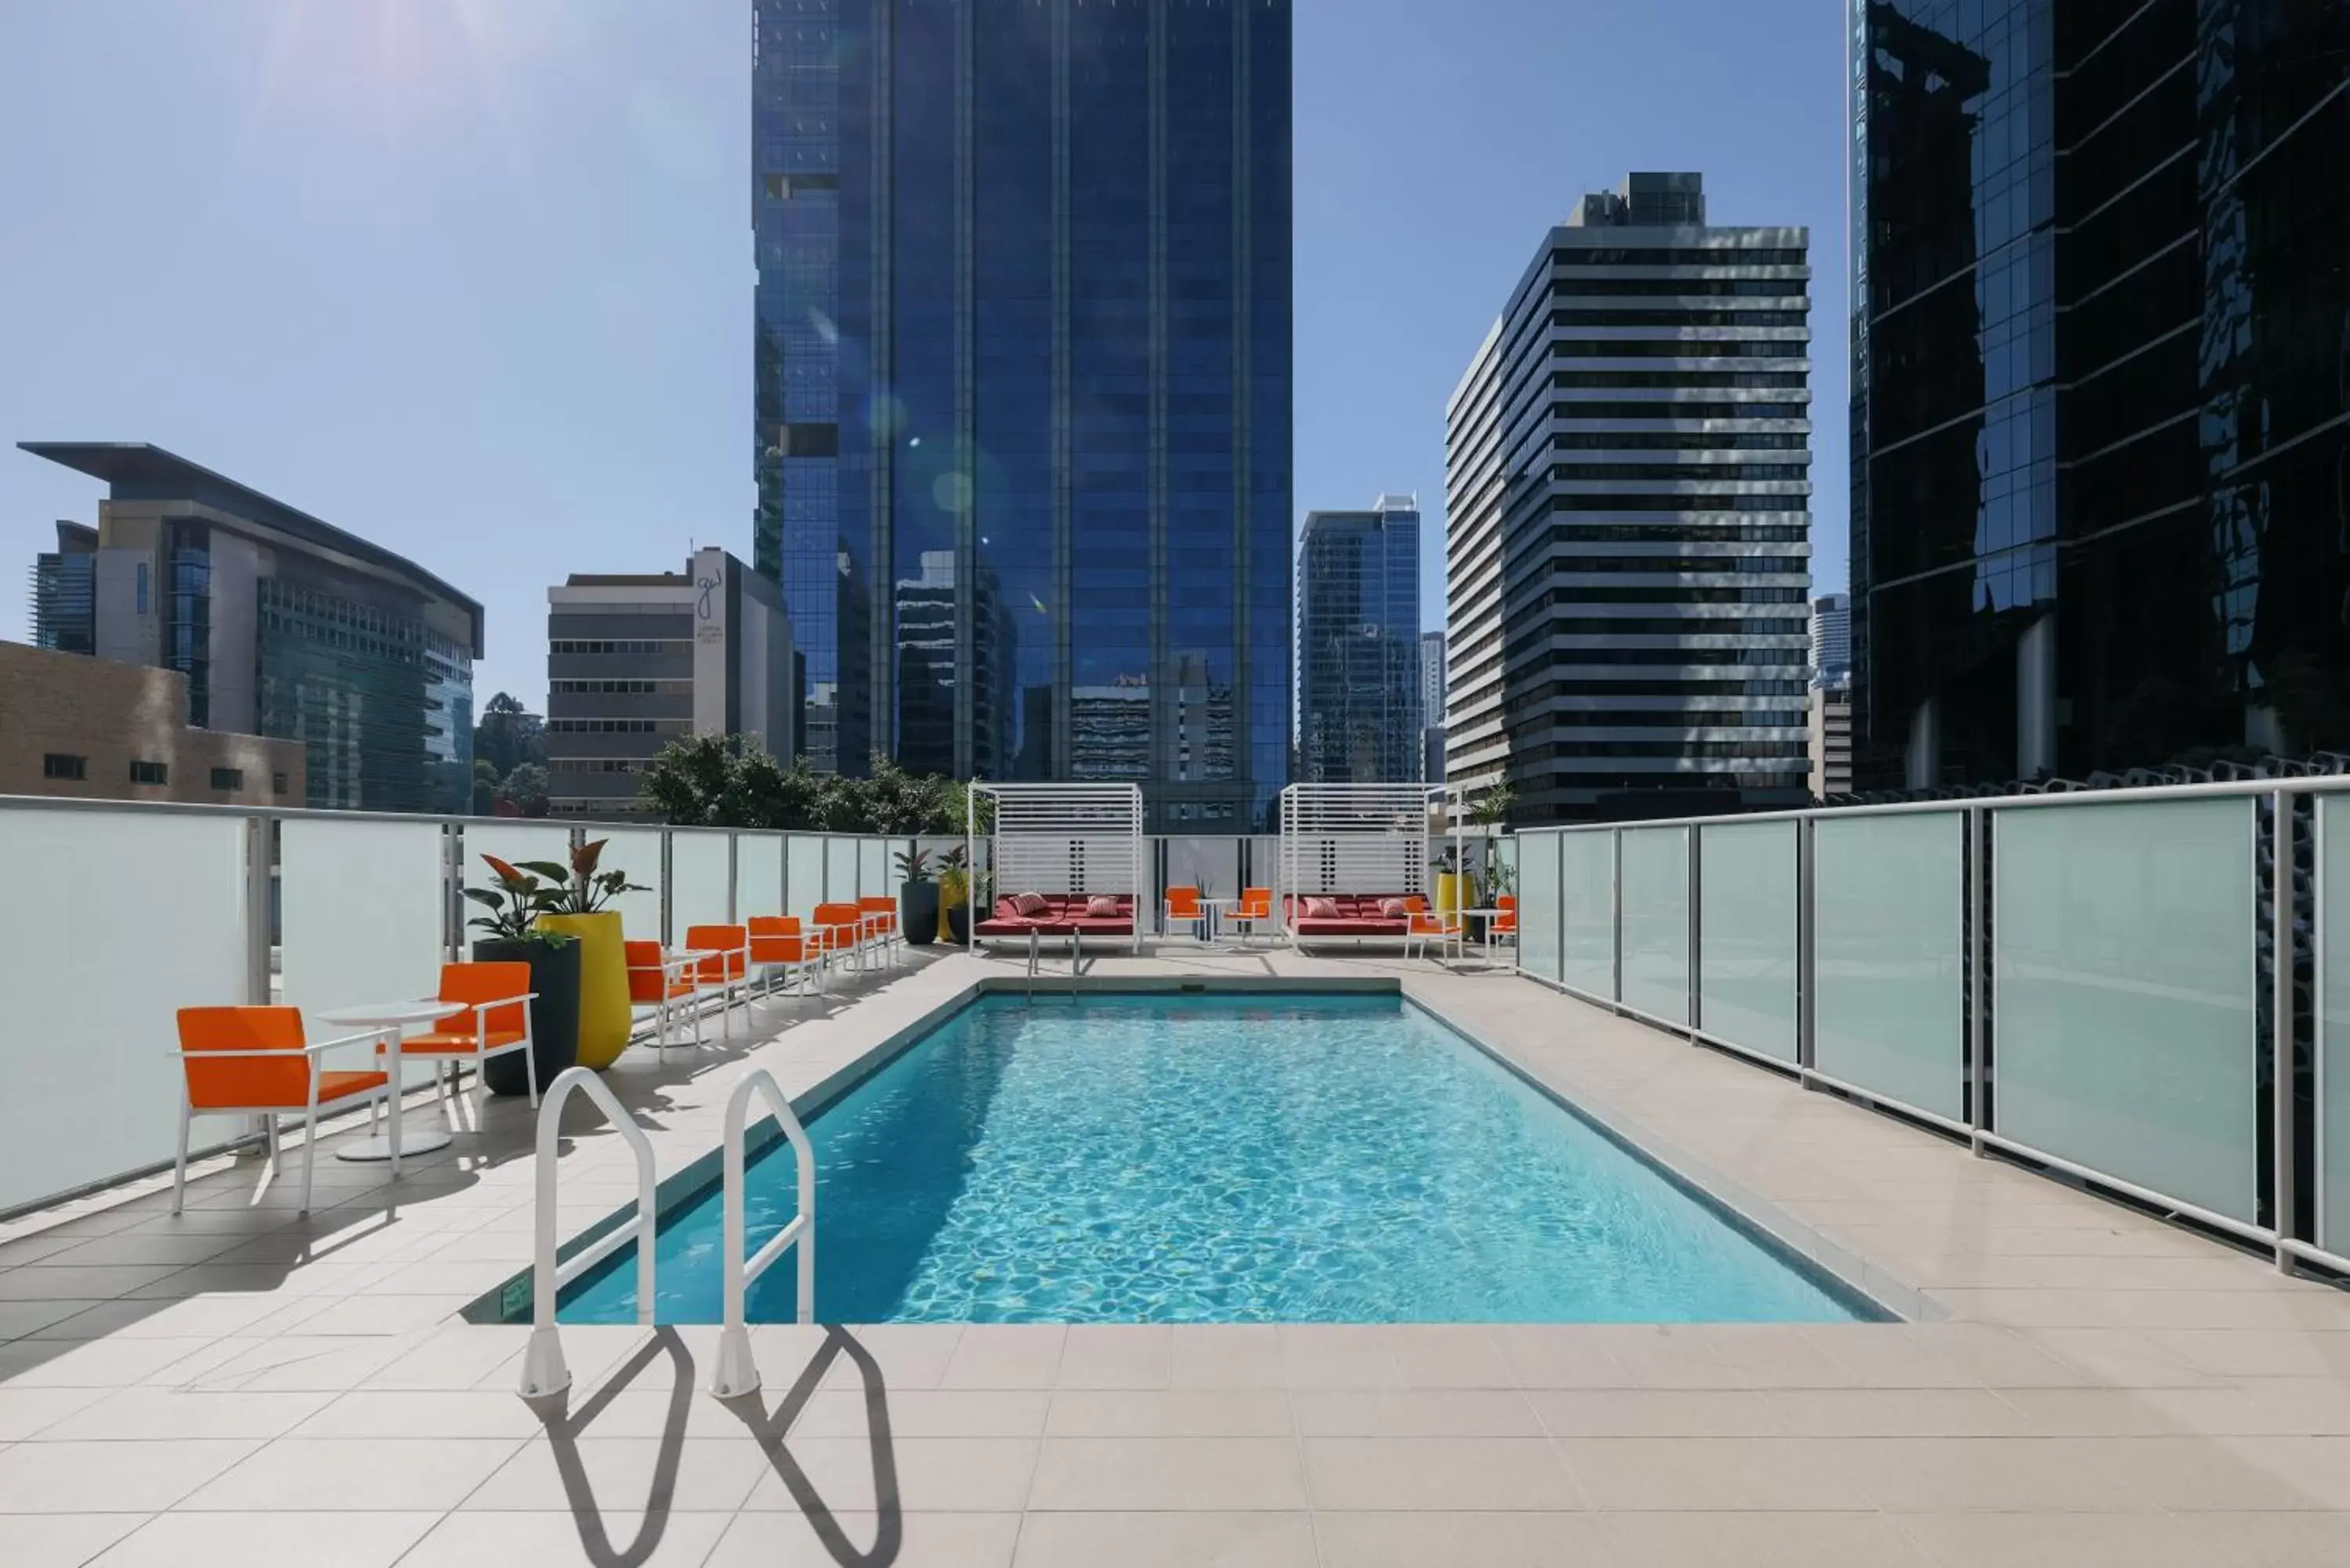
<point>1217,1160</point>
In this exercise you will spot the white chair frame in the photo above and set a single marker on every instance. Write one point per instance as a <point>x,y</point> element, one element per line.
<point>375,1099</point>
<point>477,1057</point>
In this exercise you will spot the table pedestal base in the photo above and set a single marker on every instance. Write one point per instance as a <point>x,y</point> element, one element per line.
<point>423,1140</point>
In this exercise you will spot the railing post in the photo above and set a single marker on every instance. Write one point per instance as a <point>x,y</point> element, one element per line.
<point>259,840</point>
<point>1807,958</point>
<point>1693,935</point>
<point>2282,1074</point>
<point>1616,912</point>
<point>1977,848</point>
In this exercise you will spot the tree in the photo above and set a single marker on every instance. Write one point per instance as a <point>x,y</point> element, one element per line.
<point>486,788</point>
<point>1492,807</point>
<point>524,791</point>
<point>508,735</point>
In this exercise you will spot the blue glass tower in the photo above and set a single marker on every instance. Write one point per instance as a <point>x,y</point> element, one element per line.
<point>1023,385</point>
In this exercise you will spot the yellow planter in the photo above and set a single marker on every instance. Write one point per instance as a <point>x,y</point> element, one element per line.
<point>604,1013</point>
<point>1452,893</point>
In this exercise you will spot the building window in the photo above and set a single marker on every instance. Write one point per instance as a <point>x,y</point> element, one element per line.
<point>64,765</point>
<point>150,773</point>
<point>277,784</point>
<point>142,588</point>
<point>228,778</point>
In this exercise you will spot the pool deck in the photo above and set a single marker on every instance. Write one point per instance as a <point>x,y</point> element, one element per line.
<point>2081,1385</point>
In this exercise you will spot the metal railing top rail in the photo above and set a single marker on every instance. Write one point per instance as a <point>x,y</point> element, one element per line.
<point>737,1372</point>
<point>544,1370</point>
<point>2215,789</point>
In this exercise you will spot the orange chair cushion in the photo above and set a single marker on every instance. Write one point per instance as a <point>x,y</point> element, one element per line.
<point>792,949</point>
<point>727,943</point>
<point>245,1082</point>
<point>341,1085</point>
<point>484,982</point>
<point>446,1040</point>
<point>1183,903</point>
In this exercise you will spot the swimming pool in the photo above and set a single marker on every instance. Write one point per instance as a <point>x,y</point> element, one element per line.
<point>1219,1159</point>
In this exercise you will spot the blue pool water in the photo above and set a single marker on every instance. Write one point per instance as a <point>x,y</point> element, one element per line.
<point>1217,1160</point>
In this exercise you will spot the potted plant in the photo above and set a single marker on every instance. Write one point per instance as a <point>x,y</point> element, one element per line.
<point>516,904</point>
<point>581,891</point>
<point>918,897</point>
<point>1451,886</point>
<point>954,897</point>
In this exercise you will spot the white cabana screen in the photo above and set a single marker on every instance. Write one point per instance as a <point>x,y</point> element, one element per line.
<point>1060,838</point>
<point>1360,837</point>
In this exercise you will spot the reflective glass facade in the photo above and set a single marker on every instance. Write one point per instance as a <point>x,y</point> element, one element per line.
<point>1022,391</point>
<point>1359,668</point>
<point>2100,308</point>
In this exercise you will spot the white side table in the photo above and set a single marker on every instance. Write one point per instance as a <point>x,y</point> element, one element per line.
<point>392,1017</point>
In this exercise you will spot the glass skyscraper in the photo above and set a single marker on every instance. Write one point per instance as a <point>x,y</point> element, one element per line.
<point>1359,699</point>
<point>2100,310</point>
<point>1023,385</point>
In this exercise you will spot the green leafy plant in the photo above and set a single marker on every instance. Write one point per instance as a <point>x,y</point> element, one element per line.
<point>515,905</point>
<point>955,880</point>
<point>913,865</point>
<point>582,889</point>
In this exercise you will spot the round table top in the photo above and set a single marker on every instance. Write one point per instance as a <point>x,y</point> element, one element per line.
<point>386,1013</point>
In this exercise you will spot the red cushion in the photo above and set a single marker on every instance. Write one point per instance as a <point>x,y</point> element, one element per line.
<point>1391,908</point>
<point>1101,907</point>
<point>1350,925</point>
<point>1029,904</point>
<point>1320,908</point>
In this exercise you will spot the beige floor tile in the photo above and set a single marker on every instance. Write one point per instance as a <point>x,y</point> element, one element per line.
<point>622,1474</point>
<point>925,1413</point>
<point>54,1281</point>
<point>1958,1475</point>
<point>1888,1356</point>
<point>112,1476</point>
<point>24,1412</point>
<point>20,1318</point>
<point>1713,1474</point>
<point>303,1363</point>
<point>1255,1540</point>
<point>907,1354</point>
<point>382,1474</point>
<point>1471,1412</point>
<point>1761,1541</point>
<point>1657,1413</point>
<point>2229,1474</point>
<point>187,1318</point>
<point>1559,1355</point>
<point>1336,1355</point>
<point>1448,1355</point>
<point>1154,1474</point>
<point>149,1413</point>
<point>373,1316</point>
<point>781,1539</point>
<point>1170,1413</point>
<point>1006,1356</point>
<point>62,1540</point>
<point>1118,1355</point>
<point>454,1357</point>
<point>933,1475</point>
<point>312,1540</point>
<point>93,1363</point>
<point>1226,1355</point>
<point>1900,1413</point>
<point>1484,1540</point>
<point>557,1539</point>
<point>413,1413</point>
<point>1449,1474</point>
<point>2146,1540</point>
<point>18,1251</point>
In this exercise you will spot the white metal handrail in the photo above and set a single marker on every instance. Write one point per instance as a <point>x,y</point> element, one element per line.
<point>543,1371</point>
<point>738,1370</point>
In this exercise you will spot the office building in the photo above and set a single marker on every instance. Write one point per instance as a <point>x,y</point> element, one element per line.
<point>97,728</point>
<point>1830,740</point>
<point>283,625</point>
<point>2098,517</point>
<point>635,662</point>
<point>1024,302</point>
<point>1832,641</point>
<point>1626,466</point>
<point>1359,713</point>
<point>1432,706</point>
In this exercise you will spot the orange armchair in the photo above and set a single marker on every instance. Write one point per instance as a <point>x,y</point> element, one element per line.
<point>1254,909</point>
<point>255,1060</point>
<point>656,980</point>
<point>841,926</point>
<point>1421,928</point>
<point>777,944</point>
<point>724,964</point>
<point>1182,907</point>
<point>880,924</point>
<point>496,1021</point>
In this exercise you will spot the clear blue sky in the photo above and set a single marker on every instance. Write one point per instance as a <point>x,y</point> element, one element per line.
<point>472,277</point>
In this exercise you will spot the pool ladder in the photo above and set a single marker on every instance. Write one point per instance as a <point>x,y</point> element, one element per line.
<point>544,1370</point>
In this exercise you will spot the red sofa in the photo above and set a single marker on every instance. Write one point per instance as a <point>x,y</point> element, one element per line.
<point>1063,915</point>
<point>1358,916</point>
